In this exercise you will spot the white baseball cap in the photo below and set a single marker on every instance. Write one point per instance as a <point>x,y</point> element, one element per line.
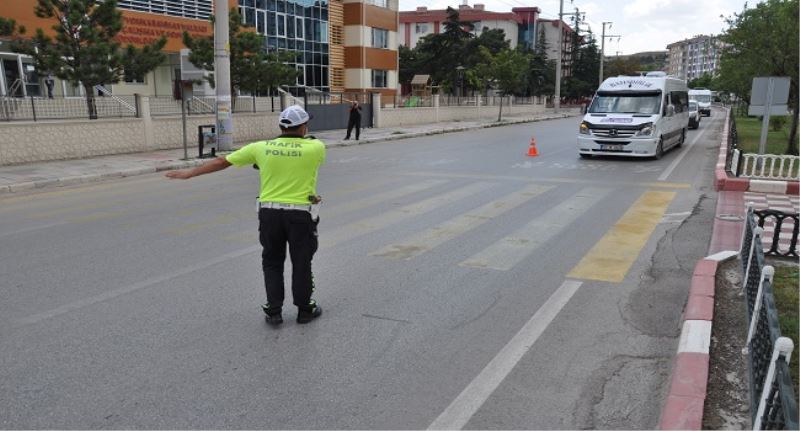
<point>293,116</point>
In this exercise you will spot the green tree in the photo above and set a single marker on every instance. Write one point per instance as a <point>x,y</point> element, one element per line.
<point>83,49</point>
<point>704,81</point>
<point>763,41</point>
<point>253,69</point>
<point>585,67</point>
<point>408,65</point>
<point>621,66</point>
<point>541,70</point>
<point>507,70</point>
<point>439,54</point>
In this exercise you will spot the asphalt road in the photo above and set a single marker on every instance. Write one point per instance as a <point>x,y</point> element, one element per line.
<point>464,284</point>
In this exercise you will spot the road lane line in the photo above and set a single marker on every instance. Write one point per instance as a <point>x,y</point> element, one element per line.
<point>461,410</point>
<point>432,237</point>
<point>509,251</point>
<point>392,216</point>
<point>667,172</point>
<point>612,256</point>
<point>114,293</point>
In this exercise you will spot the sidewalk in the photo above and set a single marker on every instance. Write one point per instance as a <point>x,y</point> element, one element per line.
<point>689,383</point>
<point>18,178</point>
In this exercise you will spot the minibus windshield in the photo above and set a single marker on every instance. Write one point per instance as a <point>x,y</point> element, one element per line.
<point>626,103</point>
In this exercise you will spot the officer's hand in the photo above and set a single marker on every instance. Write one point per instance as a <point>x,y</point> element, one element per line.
<point>183,174</point>
<point>315,199</point>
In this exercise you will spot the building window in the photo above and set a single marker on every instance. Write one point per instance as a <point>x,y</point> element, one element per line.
<point>379,78</point>
<point>421,28</point>
<point>380,38</point>
<point>379,3</point>
<point>133,79</point>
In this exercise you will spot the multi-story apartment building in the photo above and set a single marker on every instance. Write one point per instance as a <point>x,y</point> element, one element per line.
<point>691,58</point>
<point>519,25</point>
<point>548,29</point>
<point>343,45</point>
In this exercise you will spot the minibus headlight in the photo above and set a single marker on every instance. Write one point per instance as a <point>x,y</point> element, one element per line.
<point>584,129</point>
<point>648,129</point>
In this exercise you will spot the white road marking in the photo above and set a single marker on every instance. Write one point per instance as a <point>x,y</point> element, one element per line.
<point>510,250</point>
<point>461,410</point>
<point>391,216</point>
<point>667,172</point>
<point>439,234</point>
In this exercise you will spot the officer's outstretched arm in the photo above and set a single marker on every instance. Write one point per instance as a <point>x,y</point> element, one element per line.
<point>215,165</point>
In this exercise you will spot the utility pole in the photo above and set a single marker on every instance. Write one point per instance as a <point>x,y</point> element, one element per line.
<point>603,47</point>
<point>222,76</point>
<point>561,14</point>
<point>557,101</point>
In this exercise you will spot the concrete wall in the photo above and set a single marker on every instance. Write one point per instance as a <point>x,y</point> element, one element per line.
<point>394,117</point>
<point>27,142</point>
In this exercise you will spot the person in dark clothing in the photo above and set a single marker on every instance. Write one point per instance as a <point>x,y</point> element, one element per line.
<point>354,120</point>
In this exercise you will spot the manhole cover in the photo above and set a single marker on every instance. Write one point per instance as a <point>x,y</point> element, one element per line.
<point>730,217</point>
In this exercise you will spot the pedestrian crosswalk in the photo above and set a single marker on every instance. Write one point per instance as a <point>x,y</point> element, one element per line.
<point>609,260</point>
<point>509,251</point>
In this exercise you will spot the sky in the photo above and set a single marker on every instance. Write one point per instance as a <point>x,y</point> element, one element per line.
<point>644,25</point>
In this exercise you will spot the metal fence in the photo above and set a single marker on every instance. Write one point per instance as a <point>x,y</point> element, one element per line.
<point>397,101</point>
<point>42,108</point>
<point>206,105</point>
<point>324,98</point>
<point>733,145</point>
<point>778,245</point>
<point>772,401</point>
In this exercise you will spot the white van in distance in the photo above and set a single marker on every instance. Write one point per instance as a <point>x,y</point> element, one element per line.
<point>703,98</point>
<point>635,116</point>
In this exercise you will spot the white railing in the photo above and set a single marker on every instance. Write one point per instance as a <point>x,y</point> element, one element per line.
<point>770,166</point>
<point>105,91</point>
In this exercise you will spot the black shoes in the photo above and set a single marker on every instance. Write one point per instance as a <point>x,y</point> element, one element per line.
<point>272,317</point>
<point>306,316</point>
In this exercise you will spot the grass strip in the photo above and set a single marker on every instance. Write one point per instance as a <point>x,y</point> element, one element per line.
<point>786,288</point>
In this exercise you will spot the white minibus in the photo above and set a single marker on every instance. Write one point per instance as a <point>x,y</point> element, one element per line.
<point>635,116</point>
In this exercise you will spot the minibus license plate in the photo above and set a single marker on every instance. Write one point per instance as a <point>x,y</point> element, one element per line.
<point>610,147</point>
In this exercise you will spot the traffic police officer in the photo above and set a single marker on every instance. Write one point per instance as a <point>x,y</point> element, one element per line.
<point>288,201</point>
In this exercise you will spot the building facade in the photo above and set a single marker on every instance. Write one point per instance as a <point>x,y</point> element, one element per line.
<point>692,58</point>
<point>322,32</point>
<point>548,32</point>
<point>519,25</point>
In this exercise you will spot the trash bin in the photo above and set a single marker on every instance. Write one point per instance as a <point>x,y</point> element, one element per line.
<point>207,138</point>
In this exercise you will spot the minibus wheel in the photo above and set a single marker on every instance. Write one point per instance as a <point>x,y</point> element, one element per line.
<point>659,149</point>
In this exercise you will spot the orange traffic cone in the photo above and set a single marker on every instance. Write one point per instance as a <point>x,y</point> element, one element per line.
<point>532,151</point>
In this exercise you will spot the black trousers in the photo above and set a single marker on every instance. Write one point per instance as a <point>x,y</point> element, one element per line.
<point>353,123</point>
<point>277,228</point>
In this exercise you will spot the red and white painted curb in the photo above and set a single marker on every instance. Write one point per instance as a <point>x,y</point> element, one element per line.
<point>687,393</point>
<point>723,182</point>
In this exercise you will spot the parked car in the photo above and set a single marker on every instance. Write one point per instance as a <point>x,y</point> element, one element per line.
<point>694,115</point>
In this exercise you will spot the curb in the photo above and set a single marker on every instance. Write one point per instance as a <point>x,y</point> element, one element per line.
<point>683,409</point>
<point>724,182</point>
<point>181,164</point>
<point>443,131</point>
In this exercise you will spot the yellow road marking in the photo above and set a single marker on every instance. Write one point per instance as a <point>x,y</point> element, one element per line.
<point>612,256</point>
